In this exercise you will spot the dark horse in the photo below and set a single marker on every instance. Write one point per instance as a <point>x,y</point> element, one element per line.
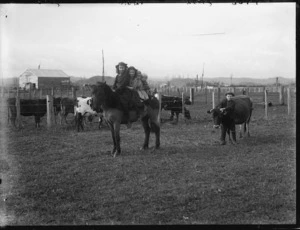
<point>103,97</point>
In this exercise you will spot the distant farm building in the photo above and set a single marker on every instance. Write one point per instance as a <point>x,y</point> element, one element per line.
<point>44,78</point>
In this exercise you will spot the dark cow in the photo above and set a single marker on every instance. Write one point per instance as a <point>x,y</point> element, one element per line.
<point>66,107</point>
<point>174,104</point>
<point>28,107</point>
<point>242,113</point>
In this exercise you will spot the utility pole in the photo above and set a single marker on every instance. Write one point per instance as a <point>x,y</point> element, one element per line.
<point>231,80</point>
<point>202,76</point>
<point>103,67</point>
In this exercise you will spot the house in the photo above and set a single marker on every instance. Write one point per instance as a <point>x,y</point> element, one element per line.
<point>44,78</point>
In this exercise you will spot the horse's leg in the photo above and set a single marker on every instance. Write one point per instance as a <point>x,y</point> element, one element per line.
<point>113,137</point>
<point>146,131</point>
<point>155,127</point>
<point>117,138</point>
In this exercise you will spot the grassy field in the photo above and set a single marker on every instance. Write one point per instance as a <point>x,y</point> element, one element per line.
<point>58,176</point>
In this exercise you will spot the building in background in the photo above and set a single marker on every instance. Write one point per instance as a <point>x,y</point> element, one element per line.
<point>44,79</point>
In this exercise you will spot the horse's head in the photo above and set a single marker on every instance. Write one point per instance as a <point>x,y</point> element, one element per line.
<point>101,93</point>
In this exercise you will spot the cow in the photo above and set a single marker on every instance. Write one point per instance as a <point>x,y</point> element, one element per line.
<point>28,107</point>
<point>174,104</point>
<point>242,113</point>
<point>82,110</point>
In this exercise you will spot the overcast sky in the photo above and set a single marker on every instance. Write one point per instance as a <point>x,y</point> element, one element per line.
<point>246,40</point>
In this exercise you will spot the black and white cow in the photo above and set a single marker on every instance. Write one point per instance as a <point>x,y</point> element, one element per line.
<point>82,110</point>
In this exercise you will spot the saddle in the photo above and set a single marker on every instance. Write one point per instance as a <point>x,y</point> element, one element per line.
<point>130,97</point>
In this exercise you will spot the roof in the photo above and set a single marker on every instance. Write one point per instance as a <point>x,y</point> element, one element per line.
<point>47,72</point>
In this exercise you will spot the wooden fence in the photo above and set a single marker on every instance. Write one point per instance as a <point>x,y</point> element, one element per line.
<point>216,95</point>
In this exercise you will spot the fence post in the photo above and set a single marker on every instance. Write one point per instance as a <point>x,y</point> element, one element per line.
<point>281,93</point>
<point>29,91</point>
<point>18,110</point>
<point>192,93</point>
<point>41,93</point>
<point>288,91</point>
<point>73,93</point>
<point>50,112</point>
<point>182,98</point>
<point>266,103</point>
<point>219,94</point>
<point>159,111</point>
<point>213,98</point>
<point>205,90</point>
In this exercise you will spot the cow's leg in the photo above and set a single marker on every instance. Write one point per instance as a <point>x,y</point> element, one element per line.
<point>233,133</point>
<point>81,121</point>
<point>100,122</point>
<point>37,120</point>
<point>241,135</point>
<point>177,116</point>
<point>172,115</point>
<point>60,118</point>
<point>117,138</point>
<point>146,131</point>
<point>247,128</point>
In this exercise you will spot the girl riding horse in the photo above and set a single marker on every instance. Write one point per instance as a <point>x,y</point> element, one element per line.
<point>103,97</point>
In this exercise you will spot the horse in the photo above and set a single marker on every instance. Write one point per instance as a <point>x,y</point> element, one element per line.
<point>103,97</point>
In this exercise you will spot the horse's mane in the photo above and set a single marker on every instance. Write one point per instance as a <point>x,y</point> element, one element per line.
<point>111,98</point>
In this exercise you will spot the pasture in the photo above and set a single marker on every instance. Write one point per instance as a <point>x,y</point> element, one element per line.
<point>57,176</point>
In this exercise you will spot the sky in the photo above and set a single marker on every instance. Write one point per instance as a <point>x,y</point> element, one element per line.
<point>162,40</point>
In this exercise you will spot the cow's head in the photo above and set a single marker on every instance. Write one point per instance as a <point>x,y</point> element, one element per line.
<point>187,101</point>
<point>217,116</point>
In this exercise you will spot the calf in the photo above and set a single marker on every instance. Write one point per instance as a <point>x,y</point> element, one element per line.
<point>83,109</point>
<point>174,104</point>
<point>28,107</point>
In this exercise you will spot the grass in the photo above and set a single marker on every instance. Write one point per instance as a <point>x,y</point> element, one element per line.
<point>60,177</point>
